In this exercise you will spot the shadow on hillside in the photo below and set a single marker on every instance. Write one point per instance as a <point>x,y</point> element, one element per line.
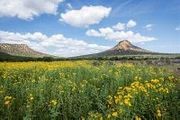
<point>12,58</point>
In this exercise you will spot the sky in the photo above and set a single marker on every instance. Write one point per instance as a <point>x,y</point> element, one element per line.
<point>78,27</point>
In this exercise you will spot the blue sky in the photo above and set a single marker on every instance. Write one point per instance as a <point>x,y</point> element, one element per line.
<point>76,27</point>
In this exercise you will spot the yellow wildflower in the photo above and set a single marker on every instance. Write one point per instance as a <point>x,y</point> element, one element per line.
<point>155,81</point>
<point>115,114</point>
<point>117,99</point>
<point>7,103</point>
<point>127,102</point>
<point>137,118</point>
<point>109,116</point>
<point>159,113</point>
<point>8,100</point>
<point>53,102</point>
<point>31,98</point>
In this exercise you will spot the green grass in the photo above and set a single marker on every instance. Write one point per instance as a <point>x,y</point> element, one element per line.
<point>86,90</point>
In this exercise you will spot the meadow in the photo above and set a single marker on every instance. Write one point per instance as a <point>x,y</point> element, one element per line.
<point>87,90</point>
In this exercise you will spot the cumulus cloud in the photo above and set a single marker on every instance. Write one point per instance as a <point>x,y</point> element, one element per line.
<point>119,26</point>
<point>27,9</point>
<point>123,26</point>
<point>131,23</point>
<point>87,15</point>
<point>148,27</point>
<point>56,44</point>
<point>94,33</point>
<point>119,33</point>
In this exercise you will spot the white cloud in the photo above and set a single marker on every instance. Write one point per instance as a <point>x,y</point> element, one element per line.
<point>87,15</point>
<point>106,31</point>
<point>123,26</point>
<point>93,32</point>
<point>119,26</point>
<point>112,33</point>
<point>148,27</point>
<point>56,44</point>
<point>177,28</point>
<point>27,9</point>
<point>120,35</point>
<point>131,23</point>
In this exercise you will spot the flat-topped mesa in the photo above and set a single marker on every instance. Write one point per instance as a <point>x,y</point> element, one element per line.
<point>14,46</point>
<point>19,50</point>
<point>22,47</point>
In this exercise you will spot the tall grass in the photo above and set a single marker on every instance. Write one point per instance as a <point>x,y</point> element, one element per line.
<point>86,90</point>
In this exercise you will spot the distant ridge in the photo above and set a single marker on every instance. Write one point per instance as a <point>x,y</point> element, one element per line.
<point>19,50</point>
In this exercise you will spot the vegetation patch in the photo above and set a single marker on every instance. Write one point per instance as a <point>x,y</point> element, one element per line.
<point>87,90</point>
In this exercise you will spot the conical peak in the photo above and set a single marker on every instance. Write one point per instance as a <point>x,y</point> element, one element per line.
<point>125,45</point>
<point>124,42</point>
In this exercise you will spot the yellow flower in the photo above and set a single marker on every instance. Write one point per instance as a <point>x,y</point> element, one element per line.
<point>114,114</point>
<point>163,90</point>
<point>127,102</point>
<point>149,85</point>
<point>7,103</point>
<point>31,98</point>
<point>159,113</point>
<point>155,81</point>
<point>109,100</point>
<point>8,100</point>
<point>109,116</point>
<point>137,118</point>
<point>53,102</point>
<point>117,99</point>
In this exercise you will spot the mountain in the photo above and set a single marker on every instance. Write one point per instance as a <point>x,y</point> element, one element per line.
<point>122,48</point>
<point>19,50</point>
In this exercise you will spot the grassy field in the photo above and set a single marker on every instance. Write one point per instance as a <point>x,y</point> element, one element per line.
<point>87,90</point>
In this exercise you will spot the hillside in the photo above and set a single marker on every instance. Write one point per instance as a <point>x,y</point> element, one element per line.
<point>125,48</point>
<point>122,48</point>
<point>19,50</point>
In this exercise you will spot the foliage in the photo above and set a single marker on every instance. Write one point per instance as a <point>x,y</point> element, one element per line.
<point>87,90</point>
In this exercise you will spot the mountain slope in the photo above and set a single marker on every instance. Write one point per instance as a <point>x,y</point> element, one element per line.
<point>122,48</point>
<point>125,48</point>
<point>19,50</point>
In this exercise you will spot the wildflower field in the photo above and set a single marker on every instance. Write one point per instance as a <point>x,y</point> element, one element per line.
<point>87,90</point>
